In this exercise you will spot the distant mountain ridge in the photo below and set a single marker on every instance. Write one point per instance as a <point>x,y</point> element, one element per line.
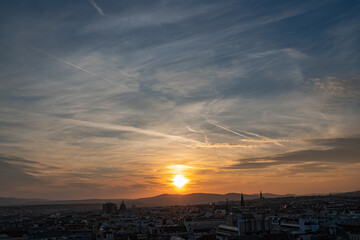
<point>159,200</point>
<point>348,194</point>
<point>22,201</point>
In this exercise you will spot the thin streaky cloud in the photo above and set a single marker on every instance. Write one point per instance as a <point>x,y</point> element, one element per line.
<point>129,129</point>
<point>79,68</point>
<point>100,11</point>
<point>221,145</point>
<point>270,140</point>
<point>227,129</point>
<point>240,66</point>
<point>249,139</point>
<point>194,143</point>
<point>159,17</point>
<point>345,149</point>
<point>254,134</point>
<point>264,139</point>
<point>194,131</point>
<point>289,51</point>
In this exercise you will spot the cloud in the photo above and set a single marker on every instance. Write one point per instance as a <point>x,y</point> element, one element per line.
<point>123,88</point>
<point>100,11</point>
<point>15,159</point>
<point>269,140</point>
<point>191,143</point>
<point>310,168</point>
<point>338,151</point>
<point>336,91</point>
<point>149,17</point>
<point>25,164</point>
<point>21,177</point>
<point>222,145</point>
<point>130,129</point>
<point>246,138</point>
<point>289,51</point>
<point>227,129</point>
<point>15,173</point>
<point>200,132</point>
<point>79,68</point>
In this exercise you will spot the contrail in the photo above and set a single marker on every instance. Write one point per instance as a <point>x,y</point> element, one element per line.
<point>249,139</point>
<point>194,131</point>
<point>254,134</point>
<point>129,129</point>
<point>269,140</point>
<point>77,67</point>
<point>193,143</point>
<point>97,7</point>
<point>227,129</point>
<point>221,145</point>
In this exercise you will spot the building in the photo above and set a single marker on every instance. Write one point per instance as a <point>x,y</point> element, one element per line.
<point>198,224</point>
<point>122,206</point>
<point>253,223</point>
<point>226,231</point>
<point>109,207</point>
<point>242,203</point>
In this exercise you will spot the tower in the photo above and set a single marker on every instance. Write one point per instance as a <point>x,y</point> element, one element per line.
<point>109,207</point>
<point>242,203</point>
<point>261,196</point>
<point>227,206</point>
<point>122,206</point>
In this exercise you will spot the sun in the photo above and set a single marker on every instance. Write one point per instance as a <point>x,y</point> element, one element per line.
<point>179,181</point>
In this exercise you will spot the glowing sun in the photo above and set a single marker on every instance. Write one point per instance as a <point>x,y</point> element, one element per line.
<point>179,181</point>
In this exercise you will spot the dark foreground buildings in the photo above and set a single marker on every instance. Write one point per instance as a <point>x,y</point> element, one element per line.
<point>312,218</point>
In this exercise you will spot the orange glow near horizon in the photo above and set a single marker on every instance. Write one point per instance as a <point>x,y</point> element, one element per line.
<point>180,181</point>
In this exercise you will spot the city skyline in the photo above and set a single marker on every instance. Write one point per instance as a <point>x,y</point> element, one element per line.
<point>126,99</point>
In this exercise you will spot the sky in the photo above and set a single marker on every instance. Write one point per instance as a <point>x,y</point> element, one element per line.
<point>113,99</point>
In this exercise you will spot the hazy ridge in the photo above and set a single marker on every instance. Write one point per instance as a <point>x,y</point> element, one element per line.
<point>159,200</point>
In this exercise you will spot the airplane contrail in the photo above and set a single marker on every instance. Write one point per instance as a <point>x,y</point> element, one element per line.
<point>97,7</point>
<point>194,143</point>
<point>77,67</point>
<point>194,131</point>
<point>129,129</point>
<point>227,129</point>
<point>249,139</point>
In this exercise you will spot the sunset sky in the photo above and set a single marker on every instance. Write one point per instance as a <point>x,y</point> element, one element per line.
<point>115,99</point>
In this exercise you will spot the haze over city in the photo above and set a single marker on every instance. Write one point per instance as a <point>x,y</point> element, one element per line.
<point>130,99</point>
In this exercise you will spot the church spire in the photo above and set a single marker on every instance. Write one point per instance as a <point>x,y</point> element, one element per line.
<point>227,206</point>
<point>242,203</point>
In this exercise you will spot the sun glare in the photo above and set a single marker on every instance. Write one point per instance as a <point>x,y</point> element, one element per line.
<point>179,181</point>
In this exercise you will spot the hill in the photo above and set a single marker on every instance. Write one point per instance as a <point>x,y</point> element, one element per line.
<point>160,200</point>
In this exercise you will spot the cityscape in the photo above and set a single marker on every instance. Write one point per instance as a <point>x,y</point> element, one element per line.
<point>330,216</point>
<point>179,120</point>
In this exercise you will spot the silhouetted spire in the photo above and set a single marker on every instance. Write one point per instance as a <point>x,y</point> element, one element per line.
<point>242,203</point>
<point>261,196</point>
<point>227,206</point>
<point>122,206</point>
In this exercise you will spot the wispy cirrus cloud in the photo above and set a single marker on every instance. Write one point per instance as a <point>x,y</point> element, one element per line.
<point>132,90</point>
<point>289,51</point>
<point>79,68</point>
<point>19,173</point>
<point>338,151</point>
<point>150,17</point>
<point>190,142</point>
<point>336,90</point>
<point>130,129</point>
<point>100,11</point>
